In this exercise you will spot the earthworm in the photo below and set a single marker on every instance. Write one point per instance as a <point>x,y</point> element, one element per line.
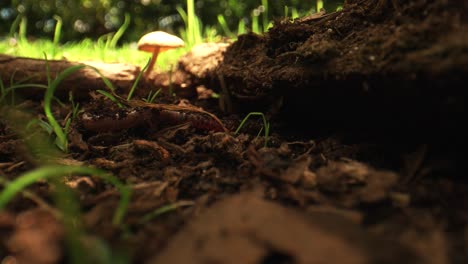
<point>197,120</point>
<point>118,121</point>
<point>140,113</point>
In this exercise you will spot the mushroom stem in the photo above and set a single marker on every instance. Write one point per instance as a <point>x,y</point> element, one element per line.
<point>152,62</point>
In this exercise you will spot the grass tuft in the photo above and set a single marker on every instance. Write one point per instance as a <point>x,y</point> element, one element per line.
<point>62,140</point>
<point>57,171</point>
<point>61,133</point>
<point>137,80</point>
<point>111,97</point>
<point>266,125</point>
<point>152,96</point>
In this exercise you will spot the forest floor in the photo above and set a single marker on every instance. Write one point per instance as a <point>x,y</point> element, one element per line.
<point>345,175</point>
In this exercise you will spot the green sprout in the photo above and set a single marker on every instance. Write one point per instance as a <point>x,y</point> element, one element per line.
<point>137,79</point>
<point>319,5</point>
<point>241,28</point>
<point>266,125</point>
<point>192,33</point>
<point>152,96</point>
<point>75,106</point>
<point>5,91</point>
<point>115,38</point>
<point>61,134</point>
<point>57,34</point>
<point>23,28</point>
<point>111,97</point>
<point>52,123</point>
<point>222,22</point>
<point>164,209</point>
<point>62,141</point>
<point>265,22</point>
<point>255,25</point>
<point>14,26</point>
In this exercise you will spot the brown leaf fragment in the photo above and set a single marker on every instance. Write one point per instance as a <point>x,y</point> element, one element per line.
<point>38,238</point>
<point>248,229</point>
<point>355,180</point>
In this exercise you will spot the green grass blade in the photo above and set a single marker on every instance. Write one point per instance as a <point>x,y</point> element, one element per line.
<point>23,28</point>
<point>241,27</point>
<point>106,81</point>
<point>319,5</point>
<point>164,209</point>
<point>58,30</point>
<point>191,21</point>
<point>151,97</point>
<point>198,30</point>
<point>14,26</point>
<point>294,13</point>
<point>265,20</point>
<point>49,95</point>
<point>182,14</point>
<point>46,126</point>
<point>66,201</point>
<point>255,26</point>
<point>3,92</point>
<point>111,97</point>
<point>222,22</point>
<point>193,26</point>
<point>121,31</point>
<point>56,171</point>
<point>75,106</point>
<point>11,89</point>
<point>28,85</point>
<point>49,79</point>
<point>266,124</point>
<point>57,33</point>
<point>183,31</point>
<point>137,80</point>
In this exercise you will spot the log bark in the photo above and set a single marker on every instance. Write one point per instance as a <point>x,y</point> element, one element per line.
<point>194,69</point>
<point>16,70</point>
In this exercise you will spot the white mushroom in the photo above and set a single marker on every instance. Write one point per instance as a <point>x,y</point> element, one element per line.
<point>157,42</point>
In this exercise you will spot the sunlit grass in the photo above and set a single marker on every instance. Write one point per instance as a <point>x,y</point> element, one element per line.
<point>87,50</point>
<point>105,48</point>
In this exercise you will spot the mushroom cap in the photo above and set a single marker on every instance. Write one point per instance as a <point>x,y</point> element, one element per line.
<point>159,40</point>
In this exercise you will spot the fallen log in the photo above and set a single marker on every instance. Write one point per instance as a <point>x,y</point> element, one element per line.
<point>16,70</point>
<point>194,69</point>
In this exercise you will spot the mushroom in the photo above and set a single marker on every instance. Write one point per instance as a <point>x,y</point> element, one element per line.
<point>157,42</point>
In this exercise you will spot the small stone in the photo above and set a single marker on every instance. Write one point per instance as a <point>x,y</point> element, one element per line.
<point>400,199</point>
<point>309,179</point>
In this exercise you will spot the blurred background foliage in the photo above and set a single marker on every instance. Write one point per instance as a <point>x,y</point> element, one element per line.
<point>94,18</point>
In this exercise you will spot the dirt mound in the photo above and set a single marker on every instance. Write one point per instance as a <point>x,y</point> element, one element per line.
<point>363,163</point>
<point>387,65</point>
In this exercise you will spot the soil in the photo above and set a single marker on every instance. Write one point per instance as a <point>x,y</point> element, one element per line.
<point>364,162</point>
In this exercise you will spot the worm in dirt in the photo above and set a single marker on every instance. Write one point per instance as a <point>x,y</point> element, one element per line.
<point>197,120</point>
<point>133,117</point>
<point>116,122</point>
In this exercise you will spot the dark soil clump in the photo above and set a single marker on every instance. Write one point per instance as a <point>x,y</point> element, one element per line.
<point>364,162</point>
